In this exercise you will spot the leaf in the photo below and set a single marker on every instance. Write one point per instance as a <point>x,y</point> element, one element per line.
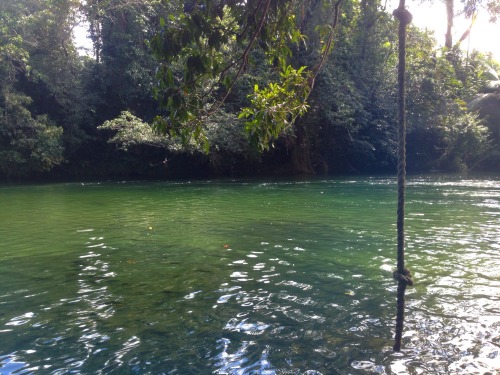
<point>195,64</point>
<point>227,82</point>
<point>198,21</point>
<point>186,37</point>
<point>176,101</point>
<point>214,40</point>
<point>170,77</point>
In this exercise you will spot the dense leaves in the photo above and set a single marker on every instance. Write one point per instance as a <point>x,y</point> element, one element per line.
<point>37,67</point>
<point>274,109</point>
<point>234,87</point>
<point>27,144</point>
<point>205,48</point>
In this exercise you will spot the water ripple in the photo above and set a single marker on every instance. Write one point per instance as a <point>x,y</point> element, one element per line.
<point>249,278</point>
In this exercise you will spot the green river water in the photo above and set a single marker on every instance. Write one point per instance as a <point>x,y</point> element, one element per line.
<point>248,277</point>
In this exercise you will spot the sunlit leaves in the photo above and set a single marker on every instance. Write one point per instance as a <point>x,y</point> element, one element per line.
<point>131,130</point>
<point>205,48</point>
<point>274,108</point>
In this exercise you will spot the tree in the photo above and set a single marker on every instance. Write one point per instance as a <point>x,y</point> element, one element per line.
<point>450,15</point>
<point>470,10</point>
<point>212,43</point>
<point>222,92</point>
<point>124,67</point>
<point>351,121</point>
<point>440,127</point>
<point>486,104</point>
<point>30,140</point>
<point>27,145</point>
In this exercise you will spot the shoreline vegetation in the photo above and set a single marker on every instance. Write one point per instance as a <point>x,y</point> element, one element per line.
<point>158,100</point>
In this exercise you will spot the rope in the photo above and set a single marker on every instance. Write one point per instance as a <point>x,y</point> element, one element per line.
<point>402,274</point>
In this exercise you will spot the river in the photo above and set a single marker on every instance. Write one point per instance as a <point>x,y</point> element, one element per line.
<point>248,277</point>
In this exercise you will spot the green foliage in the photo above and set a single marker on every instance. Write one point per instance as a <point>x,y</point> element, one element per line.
<point>27,145</point>
<point>275,108</point>
<point>131,130</point>
<point>442,133</point>
<point>12,55</point>
<point>224,132</point>
<point>466,142</point>
<point>471,7</point>
<point>204,49</point>
<point>229,78</point>
<point>351,124</point>
<point>119,31</point>
<point>37,91</point>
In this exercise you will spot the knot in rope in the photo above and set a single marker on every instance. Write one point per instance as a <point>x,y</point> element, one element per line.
<point>404,276</point>
<point>403,15</point>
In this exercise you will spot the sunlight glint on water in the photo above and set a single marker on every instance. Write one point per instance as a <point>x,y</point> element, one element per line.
<point>248,277</point>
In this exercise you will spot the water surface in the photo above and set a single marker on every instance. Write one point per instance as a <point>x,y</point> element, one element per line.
<point>248,277</point>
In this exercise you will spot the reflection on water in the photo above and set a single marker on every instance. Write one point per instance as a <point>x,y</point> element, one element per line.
<point>248,278</point>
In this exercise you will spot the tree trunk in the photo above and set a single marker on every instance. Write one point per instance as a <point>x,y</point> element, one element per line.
<point>448,43</point>
<point>300,153</point>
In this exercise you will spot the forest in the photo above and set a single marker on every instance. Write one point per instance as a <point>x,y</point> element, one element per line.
<point>230,88</point>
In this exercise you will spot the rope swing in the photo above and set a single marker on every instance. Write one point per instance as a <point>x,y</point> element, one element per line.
<point>402,275</point>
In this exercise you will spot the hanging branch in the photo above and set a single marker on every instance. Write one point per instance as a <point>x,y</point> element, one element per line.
<point>402,274</point>
<point>190,100</point>
<point>243,59</point>
<point>329,42</point>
